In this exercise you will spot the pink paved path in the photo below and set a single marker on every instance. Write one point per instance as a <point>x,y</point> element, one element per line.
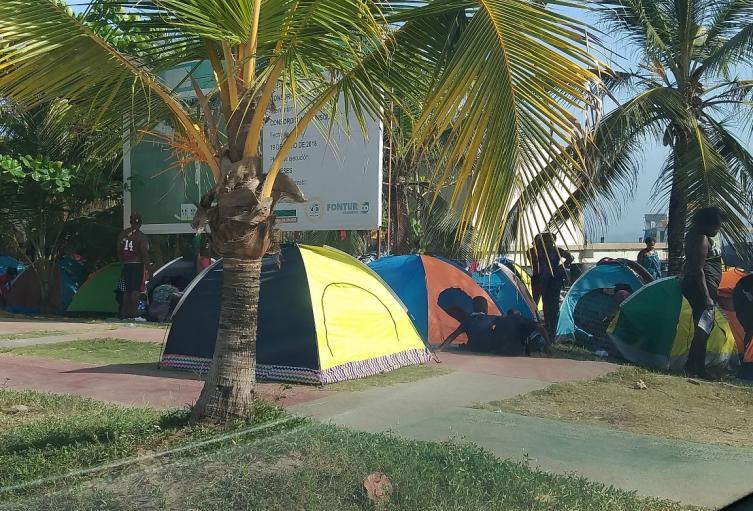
<point>132,384</point>
<point>145,385</point>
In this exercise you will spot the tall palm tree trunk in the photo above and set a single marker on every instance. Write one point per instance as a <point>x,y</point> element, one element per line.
<point>228,393</point>
<point>678,213</point>
<point>242,224</point>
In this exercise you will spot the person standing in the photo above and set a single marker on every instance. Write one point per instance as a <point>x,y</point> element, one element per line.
<point>700,283</point>
<point>649,258</point>
<point>132,252</point>
<point>549,262</point>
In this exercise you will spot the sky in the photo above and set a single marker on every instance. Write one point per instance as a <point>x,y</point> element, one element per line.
<point>629,225</point>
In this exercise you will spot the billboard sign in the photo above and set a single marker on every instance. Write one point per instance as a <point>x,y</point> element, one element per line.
<point>339,172</point>
<point>155,184</point>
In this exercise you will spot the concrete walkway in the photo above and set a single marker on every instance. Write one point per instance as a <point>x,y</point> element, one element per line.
<point>440,408</point>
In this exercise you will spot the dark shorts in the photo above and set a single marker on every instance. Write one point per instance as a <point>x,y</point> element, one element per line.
<point>133,277</point>
<point>696,300</point>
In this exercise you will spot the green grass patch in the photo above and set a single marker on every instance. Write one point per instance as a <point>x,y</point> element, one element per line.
<point>31,335</point>
<point>305,465</point>
<point>56,434</point>
<point>670,406</point>
<point>407,374</point>
<point>94,351</point>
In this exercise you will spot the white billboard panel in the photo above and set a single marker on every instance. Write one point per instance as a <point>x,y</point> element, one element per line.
<point>339,172</point>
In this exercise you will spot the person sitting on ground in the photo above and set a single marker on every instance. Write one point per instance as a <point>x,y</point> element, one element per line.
<point>622,292</point>
<point>649,258</point>
<point>477,326</point>
<point>164,299</point>
<point>515,334</point>
<point>742,300</point>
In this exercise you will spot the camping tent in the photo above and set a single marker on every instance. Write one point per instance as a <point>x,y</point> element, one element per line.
<point>323,317</point>
<point>730,279</point>
<point>431,288</point>
<point>25,294</point>
<point>97,294</point>
<point>181,270</point>
<point>741,300</point>
<point>654,328</point>
<point>506,289</point>
<point>589,304</point>
<point>9,262</point>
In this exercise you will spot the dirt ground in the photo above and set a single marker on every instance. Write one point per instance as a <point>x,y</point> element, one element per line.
<point>668,406</point>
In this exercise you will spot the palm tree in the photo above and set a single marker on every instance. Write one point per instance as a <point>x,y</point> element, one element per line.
<point>505,82</point>
<point>683,92</point>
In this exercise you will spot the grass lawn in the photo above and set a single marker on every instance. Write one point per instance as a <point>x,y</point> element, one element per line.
<point>30,335</point>
<point>670,406</point>
<point>94,351</point>
<point>60,433</point>
<point>298,465</point>
<point>403,375</point>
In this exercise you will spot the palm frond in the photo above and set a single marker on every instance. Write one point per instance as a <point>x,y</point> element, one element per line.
<point>504,111</point>
<point>702,167</point>
<point>647,24</point>
<point>46,54</point>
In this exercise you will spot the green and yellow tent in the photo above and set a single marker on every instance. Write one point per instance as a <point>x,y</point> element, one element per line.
<point>97,294</point>
<point>654,328</point>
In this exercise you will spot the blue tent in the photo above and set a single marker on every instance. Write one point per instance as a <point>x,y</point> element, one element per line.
<point>590,302</point>
<point>25,294</point>
<point>507,291</point>
<point>9,262</point>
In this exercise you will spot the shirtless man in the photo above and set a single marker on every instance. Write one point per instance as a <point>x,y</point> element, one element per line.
<point>132,252</point>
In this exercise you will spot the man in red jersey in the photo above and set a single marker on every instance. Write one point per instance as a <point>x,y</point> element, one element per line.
<point>132,252</point>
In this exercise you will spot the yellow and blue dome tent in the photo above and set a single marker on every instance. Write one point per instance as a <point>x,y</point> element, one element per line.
<point>323,317</point>
<point>654,328</point>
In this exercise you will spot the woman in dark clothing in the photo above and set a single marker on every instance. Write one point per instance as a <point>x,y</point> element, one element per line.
<point>703,273</point>
<point>548,262</point>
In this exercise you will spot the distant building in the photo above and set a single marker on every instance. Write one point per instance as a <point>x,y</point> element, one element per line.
<point>656,227</point>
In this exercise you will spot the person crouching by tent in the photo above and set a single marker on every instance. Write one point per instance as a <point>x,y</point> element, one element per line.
<point>649,258</point>
<point>621,293</point>
<point>548,262</point>
<point>515,334</point>
<point>702,276</point>
<point>511,334</point>
<point>477,326</point>
<point>132,252</point>
<point>164,299</point>
<point>742,299</point>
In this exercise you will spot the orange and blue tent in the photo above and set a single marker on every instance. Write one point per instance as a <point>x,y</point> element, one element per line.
<point>730,280</point>
<point>436,292</point>
<point>507,289</point>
